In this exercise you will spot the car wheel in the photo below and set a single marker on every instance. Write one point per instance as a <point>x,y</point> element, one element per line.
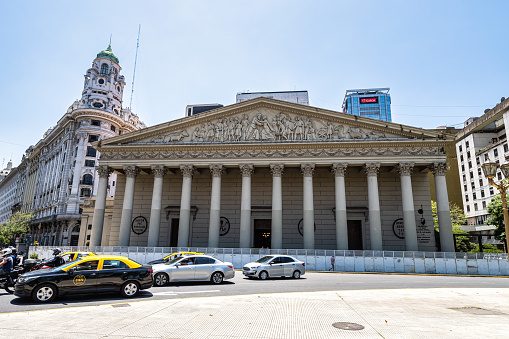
<point>44,293</point>
<point>161,279</point>
<point>130,289</point>
<point>263,275</point>
<point>296,274</point>
<point>216,278</point>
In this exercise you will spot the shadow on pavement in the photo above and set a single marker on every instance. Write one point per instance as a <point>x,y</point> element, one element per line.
<point>69,300</point>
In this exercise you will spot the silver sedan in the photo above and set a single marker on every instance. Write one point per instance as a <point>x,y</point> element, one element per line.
<point>275,266</point>
<point>193,268</point>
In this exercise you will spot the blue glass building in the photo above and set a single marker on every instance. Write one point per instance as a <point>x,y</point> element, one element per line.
<point>374,103</point>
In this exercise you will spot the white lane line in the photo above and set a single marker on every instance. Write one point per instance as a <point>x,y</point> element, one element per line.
<point>175,293</point>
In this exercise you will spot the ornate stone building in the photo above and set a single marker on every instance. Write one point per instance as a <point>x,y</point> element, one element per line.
<point>58,173</point>
<point>268,173</point>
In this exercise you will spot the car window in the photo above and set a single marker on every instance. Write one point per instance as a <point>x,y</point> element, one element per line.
<point>112,264</point>
<point>187,261</point>
<point>277,260</point>
<point>265,258</point>
<point>287,259</point>
<point>204,261</point>
<point>87,265</point>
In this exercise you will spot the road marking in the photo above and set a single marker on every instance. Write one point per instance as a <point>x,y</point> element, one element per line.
<point>175,293</point>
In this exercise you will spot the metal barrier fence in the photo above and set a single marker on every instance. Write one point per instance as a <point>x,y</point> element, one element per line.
<point>496,264</point>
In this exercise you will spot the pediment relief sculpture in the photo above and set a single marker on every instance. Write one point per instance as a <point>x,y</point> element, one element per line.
<point>257,126</point>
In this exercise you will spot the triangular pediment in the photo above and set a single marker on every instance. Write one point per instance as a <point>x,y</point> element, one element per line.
<point>266,120</point>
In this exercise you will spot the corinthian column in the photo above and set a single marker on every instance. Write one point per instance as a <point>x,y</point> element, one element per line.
<point>276,238</point>
<point>127,208</point>
<point>341,218</point>
<point>155,212</point>
<point>375,222</point>
<point>245,206</point>
<point>100,205</point>
<point>215,205</point>
<point>444,214</point>
<point>185,205</point>
<point>407,197</point>
<point>308,212</point>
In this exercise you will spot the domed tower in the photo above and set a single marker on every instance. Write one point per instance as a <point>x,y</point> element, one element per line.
<point>104,86</point>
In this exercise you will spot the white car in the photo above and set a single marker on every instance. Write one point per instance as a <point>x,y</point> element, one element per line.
<point>193,268</point>
<point>275,266</point>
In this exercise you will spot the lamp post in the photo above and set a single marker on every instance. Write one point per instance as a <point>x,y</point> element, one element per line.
<point>490,169</point>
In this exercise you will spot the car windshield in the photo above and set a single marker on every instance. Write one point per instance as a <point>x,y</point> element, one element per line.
<point>265,258</point>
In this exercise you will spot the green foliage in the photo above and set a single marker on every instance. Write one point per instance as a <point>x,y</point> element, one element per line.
<point>17,226</point>
<point>496,218</point>
<point>487,248</point>
<point>458,219</point>
<point>34,256</point>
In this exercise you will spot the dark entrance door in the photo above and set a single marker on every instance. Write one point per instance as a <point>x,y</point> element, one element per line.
<point>354,234</point>
<point>174,232</point>
<point>262,230</point>
<point>74,239</point>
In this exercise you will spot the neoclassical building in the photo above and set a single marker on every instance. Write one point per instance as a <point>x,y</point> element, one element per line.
<point>269,173</point>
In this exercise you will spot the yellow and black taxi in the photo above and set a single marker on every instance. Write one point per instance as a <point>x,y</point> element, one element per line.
<point>171,257</point>
<point>91,274</point>
<point>70,256</point>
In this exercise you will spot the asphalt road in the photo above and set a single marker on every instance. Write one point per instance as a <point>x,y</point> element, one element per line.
<point>310,282</point>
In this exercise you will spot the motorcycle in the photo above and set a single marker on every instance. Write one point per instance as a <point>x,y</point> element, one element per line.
<point>5,283</point>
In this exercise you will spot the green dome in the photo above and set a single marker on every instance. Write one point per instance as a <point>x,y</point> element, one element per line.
<point>108,54</point>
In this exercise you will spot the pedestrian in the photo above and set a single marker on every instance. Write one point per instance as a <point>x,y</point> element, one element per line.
<point>332,262</point>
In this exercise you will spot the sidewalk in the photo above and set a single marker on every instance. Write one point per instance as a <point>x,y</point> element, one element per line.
<point>404,313</point>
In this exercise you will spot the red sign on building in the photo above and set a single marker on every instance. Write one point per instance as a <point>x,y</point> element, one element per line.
<point>372,100</point>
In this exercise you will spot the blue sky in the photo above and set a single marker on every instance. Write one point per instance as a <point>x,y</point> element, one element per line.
<point>444,61</point>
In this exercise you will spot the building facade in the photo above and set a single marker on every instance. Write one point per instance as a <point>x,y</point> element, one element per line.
<point>197,109</point>
<point>5,172</point>
<point>297,97</point>
<point>58,173</point>
<point>269,173</point>
<point>482,139</point>
<point>8,188</point>
<point>374,103</point>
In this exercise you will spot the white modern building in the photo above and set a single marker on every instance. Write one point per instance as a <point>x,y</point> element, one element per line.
<point>58,173</point>
<point>481,139</point>
<point>297,97</point>
<point>5,171</point>
<point>8,188</point>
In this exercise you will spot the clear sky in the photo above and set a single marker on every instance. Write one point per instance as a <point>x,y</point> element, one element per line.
<point>444,61</point>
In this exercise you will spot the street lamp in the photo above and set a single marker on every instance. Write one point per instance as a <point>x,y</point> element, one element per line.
<point>490,169</point>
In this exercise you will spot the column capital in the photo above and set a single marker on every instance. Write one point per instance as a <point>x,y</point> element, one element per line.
<point>159,170</point>
<point>187,170</point>
<point>439,168</point>
<point>277,169</point>
<point>405,169</point>
<point>217,170</point>
<point>80,136</point>
<point>131,171</point>
<point>104,171</point>
<point>307,169</point>
<point>339,169</point>
<point>372,169</point>
<point>246,170</point>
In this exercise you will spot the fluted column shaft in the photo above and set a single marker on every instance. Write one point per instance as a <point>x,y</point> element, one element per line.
<point>443,211</point>
<point>245,206</point>
<point>308,212</point>
<point>100,205</point>
<point>407,197</point>
<point>375,221</point>
<point>215,205</point>
<point>185,205</point>
<point>276,237</point>
<point>341,217</point>
<point>79,164</point>
<point>127,207</point>
<point>155,212</point>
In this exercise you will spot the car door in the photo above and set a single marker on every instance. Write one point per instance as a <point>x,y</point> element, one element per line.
<point>203,268</point>
<point>276,267</point>
<point>112,275</point>
<point>183,270</point>
<point>81,278</point>
<point>288,266</point>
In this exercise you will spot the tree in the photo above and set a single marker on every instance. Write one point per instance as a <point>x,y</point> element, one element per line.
<point>496,218</point>
<point>458,219</point>
<point>17,226</point>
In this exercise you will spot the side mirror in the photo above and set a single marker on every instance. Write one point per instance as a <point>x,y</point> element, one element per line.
<point>70,271</point>
<point>177,264</point>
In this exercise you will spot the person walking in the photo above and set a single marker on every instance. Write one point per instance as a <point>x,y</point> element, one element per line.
<point>332,262</point>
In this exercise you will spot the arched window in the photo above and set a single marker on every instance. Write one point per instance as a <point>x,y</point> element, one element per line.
<point>87,179</point>
<point>104,69</point>
<point>76,229</point>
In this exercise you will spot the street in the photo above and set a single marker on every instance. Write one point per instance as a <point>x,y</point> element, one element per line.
<point>310,282</point>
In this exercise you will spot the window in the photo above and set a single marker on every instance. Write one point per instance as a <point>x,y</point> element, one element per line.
<point>495,152</point>
<point>204,261</point>
<point>464,177</point>
<point>471,175</point>
<point>460,148</point>
<point>89,163</point>
<point>480,182</point>
<point>506,148</point>
<point>474,196</point>
<point>86,192</point>
<point>97,105</point>
<point>470,164</point>
<point>88,237</point>
<point>461,157</point>
<point>479,171</point>
<point>482,193</point>
<point>499,176</point>
<point>475,207</point>
<point>87,265</point>
<point>478,161</point>
<point>87,179</point>
<point>465,188</point>
<point>287,260</point>
<point>491,190</point>
<point>101,81</point>
<point>104,69</point>
<point>466,198</point>
<point>466,144</point>
<point>92,138</point>
<point>468,155</point>
<point>96,122</point>
<point>89,226</point>
<point>473,185</point>
<point>468,208</point>
<point>112,264</point>
<point>113,128</point>
<point>486,157</point>
<point>484,205</point>
<point>113,184</point>
<point>91,152</point>
<point>463,168</point>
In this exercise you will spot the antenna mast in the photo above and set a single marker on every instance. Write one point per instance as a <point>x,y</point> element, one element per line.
<point>134,72</point>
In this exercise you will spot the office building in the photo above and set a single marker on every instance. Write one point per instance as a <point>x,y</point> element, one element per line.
<point>297,97</point>
<point>373,103</point>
